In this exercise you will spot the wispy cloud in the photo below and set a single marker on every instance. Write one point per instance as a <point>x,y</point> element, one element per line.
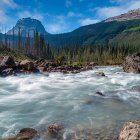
<point>4,17</point>
<point>88,21</point>
<point>71,14</point>
<point>68,3</point>
<point>9,3</point>
<point>110,11</point>
<point>34,14</point>
<point>58,24</point>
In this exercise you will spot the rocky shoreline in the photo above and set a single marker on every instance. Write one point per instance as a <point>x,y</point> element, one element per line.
<point>129,131</point>
<point>10,67</point>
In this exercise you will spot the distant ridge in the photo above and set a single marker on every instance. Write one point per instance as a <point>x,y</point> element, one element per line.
<point>131,15</point>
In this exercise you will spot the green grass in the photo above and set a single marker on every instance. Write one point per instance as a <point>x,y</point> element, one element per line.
<point>133,29</point>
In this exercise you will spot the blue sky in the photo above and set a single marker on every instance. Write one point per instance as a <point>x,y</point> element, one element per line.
<point>59,16</point>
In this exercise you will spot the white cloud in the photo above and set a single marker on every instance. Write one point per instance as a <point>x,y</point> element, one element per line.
<point>57,24</point>
<point>25,14</point>
<point>4,17</point>
<point>9,3</point>
<point>68,3</point>
<point>54,28</point>
<point>106,12</point>
<point>88,21</point>
<point>71,14</point>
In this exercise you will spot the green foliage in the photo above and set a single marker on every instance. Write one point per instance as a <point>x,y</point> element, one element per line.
<point>133,29</point>
<point>60,60</point>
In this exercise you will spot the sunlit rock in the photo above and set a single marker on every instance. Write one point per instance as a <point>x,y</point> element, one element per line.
<point>132,63</point>
<point>130,131</point>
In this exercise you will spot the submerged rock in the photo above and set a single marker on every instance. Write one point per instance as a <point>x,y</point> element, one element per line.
<point>100,74</point>
<point>54,129</point>
<point>69,135</point>
<point>132,63</point>
<point>8,62</point>
<point>100,93</point>
<point>136,88</point>
<point>130,131</point>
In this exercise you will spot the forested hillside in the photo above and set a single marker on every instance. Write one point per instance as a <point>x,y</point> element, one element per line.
<point>106,42</point>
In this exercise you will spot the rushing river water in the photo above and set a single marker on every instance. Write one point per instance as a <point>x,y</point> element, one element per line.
<point>38,100</point>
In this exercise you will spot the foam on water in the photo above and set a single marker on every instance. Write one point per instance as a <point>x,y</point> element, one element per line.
<point>38,100</point>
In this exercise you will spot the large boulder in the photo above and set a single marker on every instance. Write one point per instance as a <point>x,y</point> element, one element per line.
<point>132,63</point>
<point>130,131</point>
<point>27,65</point>
<point>8,62</point>
<point>25,134</point>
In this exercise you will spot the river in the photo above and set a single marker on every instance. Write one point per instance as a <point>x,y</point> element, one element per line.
<point>37,100</point>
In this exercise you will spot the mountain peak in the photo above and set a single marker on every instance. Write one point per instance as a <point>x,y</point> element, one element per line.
<point>131,15</point>
<point>28,25</point>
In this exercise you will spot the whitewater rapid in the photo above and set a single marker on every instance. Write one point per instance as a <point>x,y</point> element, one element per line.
<point>37,100</point>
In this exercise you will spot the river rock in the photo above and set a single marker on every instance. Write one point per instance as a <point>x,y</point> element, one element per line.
<point>132,63</point>
<point>27,65</point>
<point>54,129</point>
<point>42,69</point>
<point>69,135</point>
<point>8,62</point>
<point>100,74</point>
<point>130,131</point>
<point>8,72</point>
<point>25,134</point>
<point>100,94</point>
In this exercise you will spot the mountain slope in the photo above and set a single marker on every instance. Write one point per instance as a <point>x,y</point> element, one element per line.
<point>100,33</point>
<point>131,15</point>
<point>109,31</point>
<point>115,30</point>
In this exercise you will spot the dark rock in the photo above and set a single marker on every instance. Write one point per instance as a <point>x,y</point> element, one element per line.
<point>75,71</point>
<point>27,65</point>
<point>42,69</point>
<point>54,129</point>
<point>100,93</point>
<point>25,134</point>
<point>130,131</point>
<point>100,74</point>
<point>65,71</point>
<point>8,62</point>
<point>132,63</point>
<point>8,72</point>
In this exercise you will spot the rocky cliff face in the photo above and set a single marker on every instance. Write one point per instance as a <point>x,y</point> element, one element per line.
<point>27,25</point>
<point>131,15</point>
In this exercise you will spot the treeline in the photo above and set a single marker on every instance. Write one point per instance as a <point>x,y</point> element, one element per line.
<point>101,54</point>
<point>37,47</point>
<point>34,46</point>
